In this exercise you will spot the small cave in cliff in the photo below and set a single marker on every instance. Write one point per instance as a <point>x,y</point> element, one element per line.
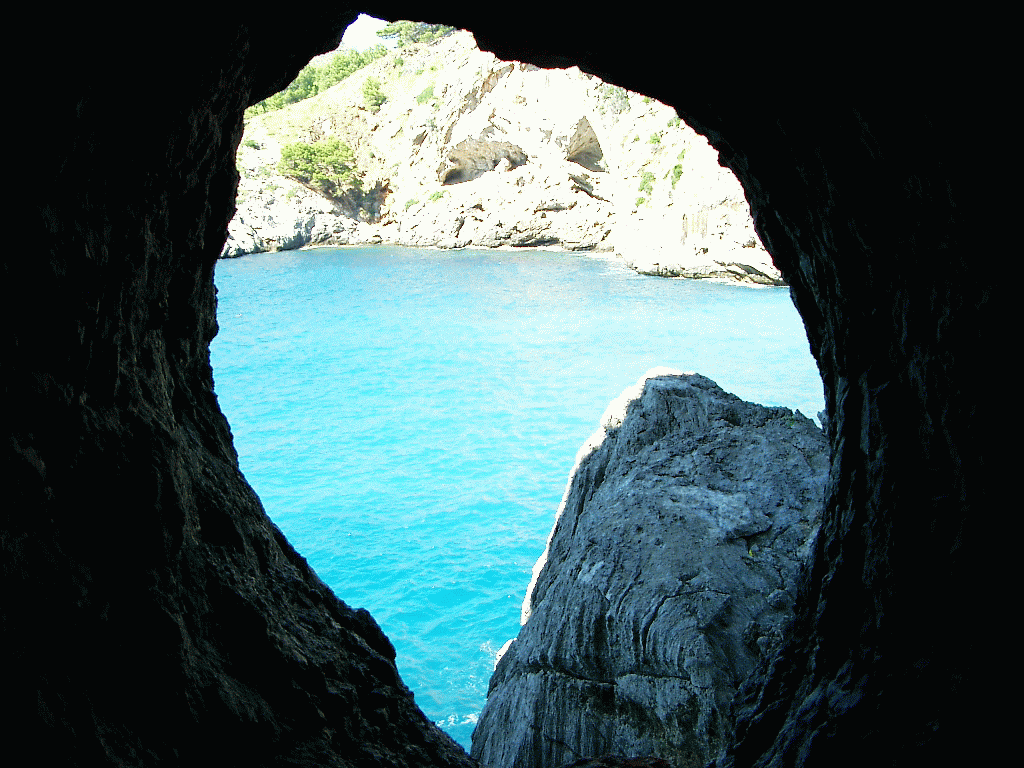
<point>472,158</point>
<point>584,149</point>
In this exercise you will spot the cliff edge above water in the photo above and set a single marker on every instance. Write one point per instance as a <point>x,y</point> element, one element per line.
<point>670,571</point>
<point>468,150</point>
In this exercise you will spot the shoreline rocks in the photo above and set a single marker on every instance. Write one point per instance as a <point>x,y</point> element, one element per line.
<point>670,570</point>
<point>471,151</point>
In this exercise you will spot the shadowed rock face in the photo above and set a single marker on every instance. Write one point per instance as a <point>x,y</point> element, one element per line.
<point>471,158</point>
<point>152,612</point>
<point>584,147</point>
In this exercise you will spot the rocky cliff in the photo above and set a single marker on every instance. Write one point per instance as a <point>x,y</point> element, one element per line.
<point>470,150</point>
<point>671,569</point>
<point>154,616</point>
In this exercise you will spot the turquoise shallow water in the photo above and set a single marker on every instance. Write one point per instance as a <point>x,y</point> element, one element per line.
<point>409,418</point>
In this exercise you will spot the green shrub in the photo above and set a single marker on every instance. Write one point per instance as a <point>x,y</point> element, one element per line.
<point>647,182</point>
<point>613,99</point>
<point>437,195</point>
<point>674,122</point>
<point>325,165</point>
<point>677,171</point>
<point>426,95</point>
<point>373,96</point>
<point>345,63</point>
<point>655,138</point>
<point>313,80</point>
<point>410,203</point>
<point>251,144</point>
<point>640,201</point>
<point>407,32</point>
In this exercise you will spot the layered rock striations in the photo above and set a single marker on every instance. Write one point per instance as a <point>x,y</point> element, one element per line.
<point>472,151</point>
<point>671,569</point>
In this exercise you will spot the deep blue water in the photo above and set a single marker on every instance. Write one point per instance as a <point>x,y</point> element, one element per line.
<point>409,418</point>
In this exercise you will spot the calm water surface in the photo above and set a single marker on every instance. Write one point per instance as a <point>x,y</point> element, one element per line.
<point>409,418</point>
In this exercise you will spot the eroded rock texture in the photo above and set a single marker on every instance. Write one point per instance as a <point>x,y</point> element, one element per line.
<point>671,569</point>
<point>153,614</point>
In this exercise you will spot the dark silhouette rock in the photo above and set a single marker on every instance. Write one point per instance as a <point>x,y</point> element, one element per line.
<point>152,613</point>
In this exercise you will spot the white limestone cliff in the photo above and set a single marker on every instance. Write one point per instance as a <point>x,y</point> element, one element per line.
<point>472,151</point>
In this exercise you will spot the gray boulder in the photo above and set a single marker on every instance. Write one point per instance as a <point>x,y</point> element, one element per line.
<point>670,570</point>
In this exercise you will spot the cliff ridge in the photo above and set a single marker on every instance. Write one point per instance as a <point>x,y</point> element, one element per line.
<point>468,150</point>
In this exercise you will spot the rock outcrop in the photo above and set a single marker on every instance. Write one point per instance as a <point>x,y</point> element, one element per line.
<point>479,152</point>
<point>289,220</point>
<point>152,615</point>
<point>671,569</point>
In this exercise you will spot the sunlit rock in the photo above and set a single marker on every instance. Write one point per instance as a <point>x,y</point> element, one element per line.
<point>612,170</point>
<point>671,569</point>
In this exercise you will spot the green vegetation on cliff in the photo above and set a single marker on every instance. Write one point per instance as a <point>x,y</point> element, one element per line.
<point>327,165</point>
<point>408,32</point>
<point>373,96</point>
<point>441,144</point>
<point>426,95</point>
<point>315,79</point>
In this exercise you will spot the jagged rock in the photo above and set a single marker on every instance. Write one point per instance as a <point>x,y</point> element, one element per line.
<point>583,183</point>
<point>670,570</point>
<point>709,241</point>
<point>285,218</point>
<point>552,205</point>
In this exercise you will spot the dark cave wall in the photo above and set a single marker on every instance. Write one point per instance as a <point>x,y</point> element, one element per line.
<point>894,312</point>
<point>152,611</point>
<point>853,162</point>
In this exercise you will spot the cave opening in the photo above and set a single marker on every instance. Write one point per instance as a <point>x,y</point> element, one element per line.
<point>183,594</point>
<point>385,441</point>
<point>409,418</point>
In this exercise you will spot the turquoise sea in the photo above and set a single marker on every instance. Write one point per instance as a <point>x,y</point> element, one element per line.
<point>409,418</point>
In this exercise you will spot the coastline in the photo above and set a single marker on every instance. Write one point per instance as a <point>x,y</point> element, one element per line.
<point>468,151</point>
<point>720,273</point>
